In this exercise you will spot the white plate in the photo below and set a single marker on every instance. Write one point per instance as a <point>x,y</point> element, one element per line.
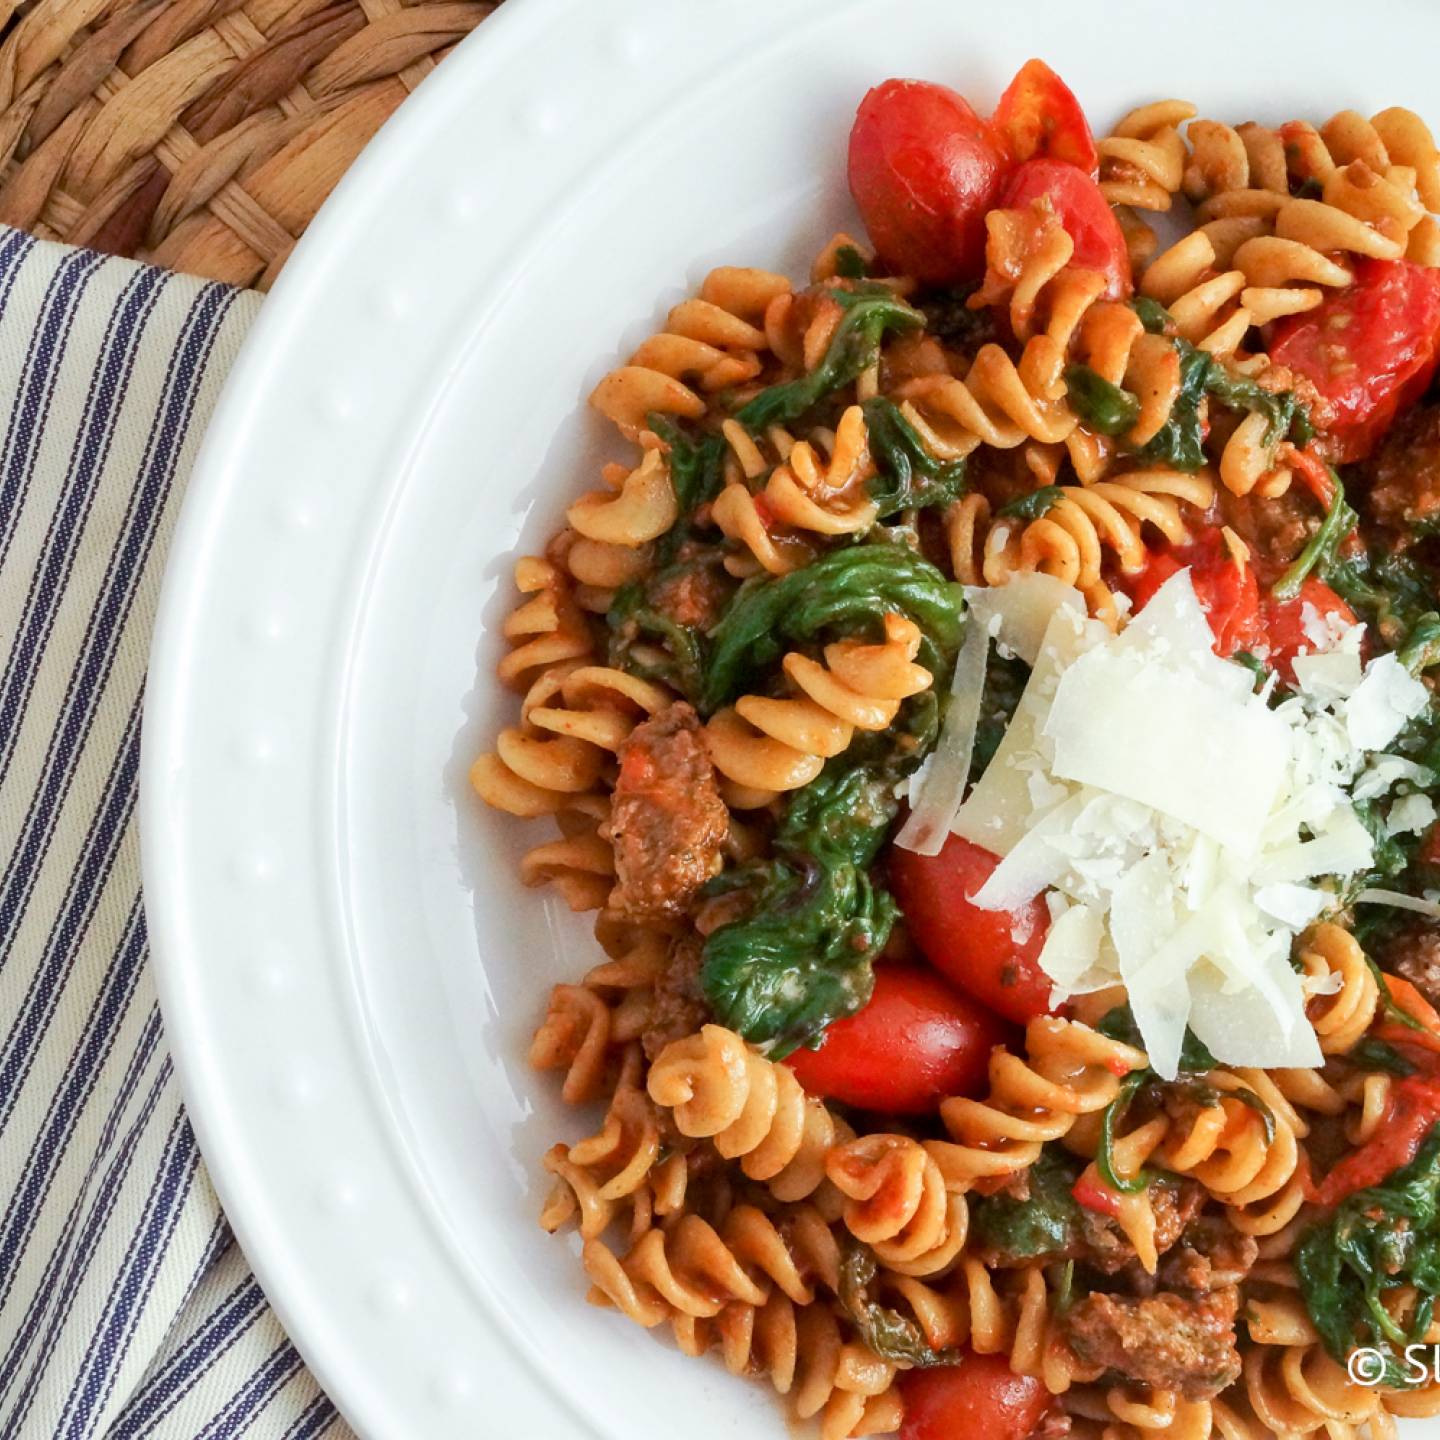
<point>348,967</point>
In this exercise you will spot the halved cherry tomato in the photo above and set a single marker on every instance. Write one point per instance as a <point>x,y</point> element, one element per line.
<point>1289,623</point>
<point>1369,350</point>
<point>990,954</point>
<point>915,1042</point>
<point>1082,210</point>
<point>1228,593</point>
<point>924,169</point>
<point>1039,115</point>
<point>1413,1111</point>
<point>979,1396</point>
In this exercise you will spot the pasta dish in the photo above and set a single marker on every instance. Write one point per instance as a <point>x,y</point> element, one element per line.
<point>987,703</point>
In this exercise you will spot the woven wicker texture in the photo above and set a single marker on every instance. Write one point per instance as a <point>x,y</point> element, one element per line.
<point>200,134</point>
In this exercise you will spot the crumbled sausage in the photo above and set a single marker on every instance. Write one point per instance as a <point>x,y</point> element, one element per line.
<point>1274,527</point>
<point>1414,955</point>
<point>667,820</point>
<point>1171,1342</point>
<point>678,1007</point>
<point>693,594</point>
<point>1174,1206</point>
<point>1403,476</point>
<point>1211,1254</point>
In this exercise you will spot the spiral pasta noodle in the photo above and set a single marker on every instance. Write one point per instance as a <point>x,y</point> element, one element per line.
<point>575,1036</point>
<point>1291,1383</point>
<point>715,1284</point>
<point>1119,1413</point>
<point>714,341</point>
<point>817,487</point>
<point>750,1108</point>
<point>999,402</point>
<point>1142,160</point>
<point>1069,1070</point>
<point>897,1203</point>
<point>595,1175</point>
<point>1224,1147</point>
<point>1341,1018</point>
<point>772,744</point>
<point>1085,524</point>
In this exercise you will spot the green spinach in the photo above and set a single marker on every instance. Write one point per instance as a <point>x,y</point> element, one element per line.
<point>1045,1226</point>
<point>950,317</point>
<point>1377,1240</point>
<point>870,314</point>
<point>844,592</point>
<point>1105,407</point>
<point>1112,410</point>
<point>647,642</point>
<point>802,955</point>
<point>890,1334</point>
<point>908,476</point>
<point>1034,504</point>
<point>1323,547</point>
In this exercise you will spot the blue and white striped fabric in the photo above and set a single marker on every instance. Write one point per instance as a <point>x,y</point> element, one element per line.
<point>126,1308</point>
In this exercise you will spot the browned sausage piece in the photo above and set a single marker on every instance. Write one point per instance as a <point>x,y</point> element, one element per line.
<point>1167,1341</point>
<point>1173,1205</point>
<point>667,820</point>
<point>1414,955</point>
<point>1403,476</point>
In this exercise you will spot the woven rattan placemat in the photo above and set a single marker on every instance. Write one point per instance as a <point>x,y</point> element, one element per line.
<point>200,134</point>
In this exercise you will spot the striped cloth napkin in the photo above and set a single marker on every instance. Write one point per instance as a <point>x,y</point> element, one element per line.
<point>126,1308</point>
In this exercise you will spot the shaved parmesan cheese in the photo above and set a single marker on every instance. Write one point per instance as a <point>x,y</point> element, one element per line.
<point>1294,906</point>
<point>1410,815</point>
<point>1341,849</point>
<point>1328,675</point>
<point>1036,862</point>
<point>1385,699</point>
<point>938,794</point>
<point>1159,734</point>
<point>1240,1032</point>
<point>1384,772</point>
<point>1400,901</point>
<point>1024,606</point>
<point>1178,826</point>
<point>1072,947</point>
<point>995,814</point>
<point>1327,630</point>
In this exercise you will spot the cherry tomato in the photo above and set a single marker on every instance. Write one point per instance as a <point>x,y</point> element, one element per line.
<point>1414,1109</point>
<point>1287,622</point>
<point>979,1396</point>
<point>924,169</point>
<point>1369,349</point>
<point>915,1042</point>
<point>990,954</point>
<point>1228,593</point>
<point>1039,115</point>
<point>1082,210</point>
